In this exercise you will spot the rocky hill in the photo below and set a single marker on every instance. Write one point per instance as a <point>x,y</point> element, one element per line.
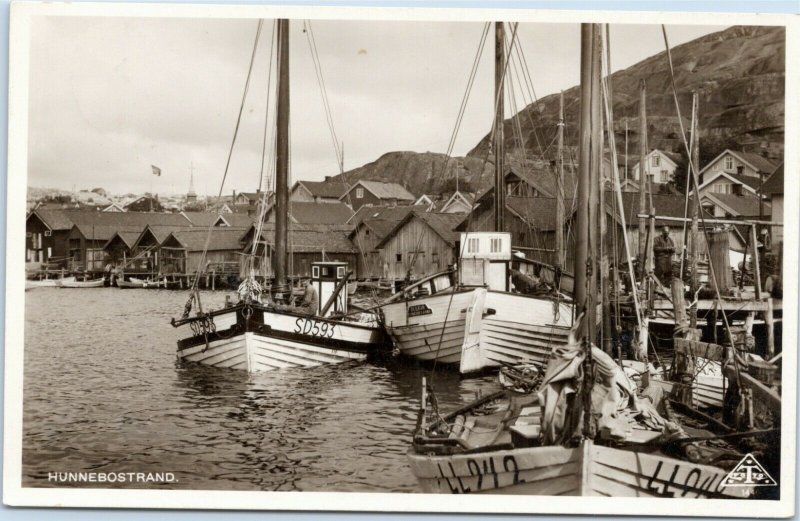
<point>739,74</point>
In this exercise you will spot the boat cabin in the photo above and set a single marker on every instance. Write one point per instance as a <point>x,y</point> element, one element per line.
<point>326,277</point>
<point>485,258</point>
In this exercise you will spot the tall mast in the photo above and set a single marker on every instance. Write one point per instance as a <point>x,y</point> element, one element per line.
<point>642,171</point>
<point>594,185</point>
<point>560,253</point>
<point>499,149</point>
<point>597,150</point>
<point>584,178</point>
<point>694,253</point>
<point>282,158</point>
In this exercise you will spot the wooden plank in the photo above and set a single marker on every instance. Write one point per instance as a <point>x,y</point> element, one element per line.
<point>713,352</point>
<point>761,392</point>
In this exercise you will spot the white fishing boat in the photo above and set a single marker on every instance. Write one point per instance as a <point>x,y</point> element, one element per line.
<point>259,335</point>
<point>588,429</point>
<point>47,283</point>
<point>531,443</point>
<point>132,282</point>
<point>426,320</point>
<point>482,320</point>
<point>96,283</point>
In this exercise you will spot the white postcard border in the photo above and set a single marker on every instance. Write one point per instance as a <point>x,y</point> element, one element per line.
<point>15,494</point>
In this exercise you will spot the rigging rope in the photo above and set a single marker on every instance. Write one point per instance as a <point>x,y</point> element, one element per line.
<point>201,261</point>
<point>693,169</point>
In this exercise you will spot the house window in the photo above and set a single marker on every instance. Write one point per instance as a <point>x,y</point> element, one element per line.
<point>359,193</point>
<point>655,161</point>
<point>665,176</point>
<point>495,245</point>
<point>435,259</point>
<point>472,245</point>
<point>48,233</point>
<point>315,272</point>
<point>398,257</point>
<point>728,163</point>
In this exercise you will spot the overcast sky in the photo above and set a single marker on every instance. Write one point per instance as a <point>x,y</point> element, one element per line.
<point>111,96</point>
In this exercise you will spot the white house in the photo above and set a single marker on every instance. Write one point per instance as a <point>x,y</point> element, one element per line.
<point>659,165</point>
<point>458,203</point>
<point>737,163</point>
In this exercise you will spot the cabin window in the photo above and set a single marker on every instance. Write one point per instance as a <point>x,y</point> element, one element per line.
<point>398,257</point>
<point>359,193</point>
<point>495,245</point>
<point>472,245</point>
<point>340,272</point>
<point>315,272</point>
<point>728,163</point>
<point>655,161</point>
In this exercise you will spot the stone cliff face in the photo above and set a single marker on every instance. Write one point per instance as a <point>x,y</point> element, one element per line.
<point>739,74</point>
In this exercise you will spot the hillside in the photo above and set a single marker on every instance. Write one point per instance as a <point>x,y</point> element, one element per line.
<point>739,74</point>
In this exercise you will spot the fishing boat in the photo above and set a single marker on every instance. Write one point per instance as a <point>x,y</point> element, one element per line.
<point>132,282</point>
<point>47,283</point>
<point>263,334</point>
<point>575,435</point>
<point>476,317</point>
<point>96,283</point>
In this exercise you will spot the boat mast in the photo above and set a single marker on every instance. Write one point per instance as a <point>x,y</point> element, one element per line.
<point>595,183</point>
<point>282,160</point>
<point>598,151</point>
<point>499,148</point>
<point>584,293</point>
<point>694,246</point>
<point>560,253</point>
<point>642,173</point>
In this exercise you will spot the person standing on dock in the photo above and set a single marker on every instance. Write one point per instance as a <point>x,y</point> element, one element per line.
<point>663,249</point>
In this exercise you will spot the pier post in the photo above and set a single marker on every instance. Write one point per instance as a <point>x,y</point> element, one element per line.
<point>769,321</point>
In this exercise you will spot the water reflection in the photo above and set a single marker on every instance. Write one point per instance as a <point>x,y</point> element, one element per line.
<point>103,391</point>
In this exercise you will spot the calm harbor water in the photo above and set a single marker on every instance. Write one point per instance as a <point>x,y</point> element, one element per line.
<point>103,393</point>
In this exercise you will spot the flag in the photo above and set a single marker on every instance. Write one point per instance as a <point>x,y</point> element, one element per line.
<point>156,170</point>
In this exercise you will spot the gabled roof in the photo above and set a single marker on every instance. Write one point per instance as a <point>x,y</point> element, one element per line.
<point>56,220</point>
<point>308,238</point>
<point>443,224</point>
<point>194,239</point>
<point>755,161</point>
<point>127,238</point>
<point>537,212</point>
<point>392,213</point>
<point>669,156</point>
<point>738,205</point>
<point>467,198</point>
<point>94,232</point>
<point>159,233</point>
<point>332,189</point>
<point>206,219</point>
<point>126,219</point>
<point>774,183</point>
<point>748,182</point>
<point>382,190</point>
<point>315,213</point>
<point>666,205</point>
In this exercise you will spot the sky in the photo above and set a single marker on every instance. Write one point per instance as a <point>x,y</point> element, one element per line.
<point>108,97</point>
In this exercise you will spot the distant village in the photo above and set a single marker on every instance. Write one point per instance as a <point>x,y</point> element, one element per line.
<point>383,231</point>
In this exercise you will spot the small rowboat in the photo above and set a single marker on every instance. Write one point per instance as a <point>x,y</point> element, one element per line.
<point>46,283</point>
<point>97,283</point>
<point>131,283</point>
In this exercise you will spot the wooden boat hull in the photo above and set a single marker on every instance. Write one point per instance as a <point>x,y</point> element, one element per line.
<point>429,328</point>
<point>261,340</point>
<point>129,284</point>
<point>588,470</point>
<point>99,283</point>
<point>509,329</point>
<point>47,283</point>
